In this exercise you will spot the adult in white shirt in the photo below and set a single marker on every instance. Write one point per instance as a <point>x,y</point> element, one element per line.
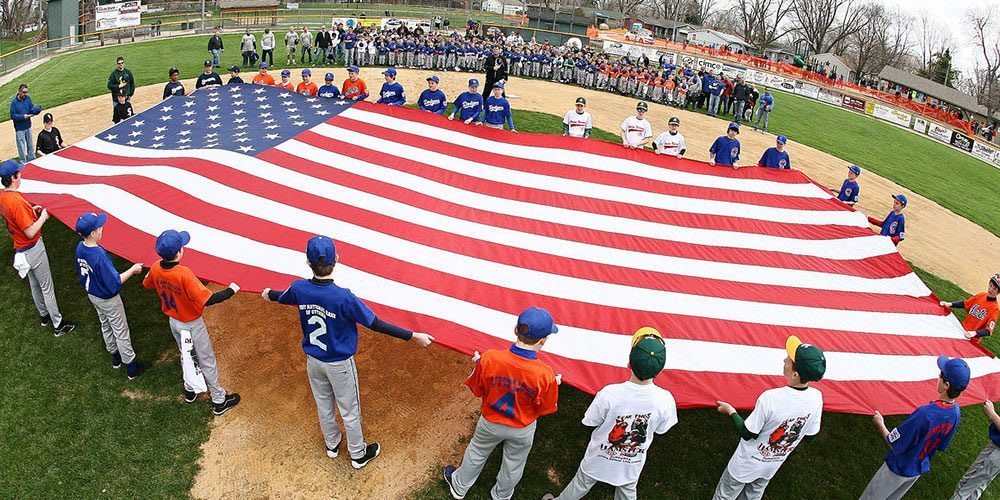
<point>636,130</point>
<point>671,142</point>
<point>267,44</point>
<point>291,43</point>
<point>248,47</point>
<point>625,417</point>
<point>781,419</point>
<point>577,122</point>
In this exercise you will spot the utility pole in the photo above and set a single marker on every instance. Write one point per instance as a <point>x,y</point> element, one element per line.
<point>677,12</point>
<point>203,15</point>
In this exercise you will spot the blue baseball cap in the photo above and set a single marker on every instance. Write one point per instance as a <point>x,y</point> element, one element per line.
<point>306,72</point>
<point>353,69</point>
<point>433,78</point>
<point>955,371</point>
<point>88,222</point>
<point>900,197</point>
<point>734,126</point>
<point>10,167</point>
<point>390,72</point>
<point>170,242</point>
<point>473,82</point>
<point>856,169</point>
<point>535,323</point>
<point>263,65</point>
<point>321,247</point>
<point>286,72</point>
<point>782,139</point>
<point>329,76</point>
<point>498,85</point>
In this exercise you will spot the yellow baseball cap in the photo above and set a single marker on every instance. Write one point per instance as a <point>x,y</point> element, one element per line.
<point>646,331</point>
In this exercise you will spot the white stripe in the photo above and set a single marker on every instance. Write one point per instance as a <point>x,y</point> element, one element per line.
<point>590,190</point>
<point>588,160</point>
<point>516,278</point>
<point>574,343</point>
<point>836,249</point>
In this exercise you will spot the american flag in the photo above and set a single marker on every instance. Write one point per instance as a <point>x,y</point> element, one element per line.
<point>453,230</point>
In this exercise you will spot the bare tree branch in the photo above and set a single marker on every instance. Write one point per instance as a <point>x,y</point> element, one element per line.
<point>827,24</point>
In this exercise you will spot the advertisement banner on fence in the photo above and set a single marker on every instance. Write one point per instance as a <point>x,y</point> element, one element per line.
<point>118,15</point>
<point>920,124</point>
<point>781,83</point>
<point>807,89</point>
<point>962,141</point>
<point>734,71</point>
<point>829,96</point>
<point>627,49</point>
<point>707,65</point>
<point>888,114</point>
<point>939,132</point>
<point>984,152</point>
<point>754,76</point>
<point>854,103</point>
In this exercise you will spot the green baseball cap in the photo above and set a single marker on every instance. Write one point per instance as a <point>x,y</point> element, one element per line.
<point>647,358</point>
<point>809,360</point>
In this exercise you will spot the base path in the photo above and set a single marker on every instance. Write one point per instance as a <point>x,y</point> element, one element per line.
<point>413,400</point>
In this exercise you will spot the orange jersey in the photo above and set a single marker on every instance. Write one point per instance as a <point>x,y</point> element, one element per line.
<point>19,215</point>
<point>667,84</point>
<point>286,86</point>
<point>307,88</point>
<point>263,79</point>
<point>182,295</point>
<point>515,390</point>
<point>982,313</point>
<point>354,89</point>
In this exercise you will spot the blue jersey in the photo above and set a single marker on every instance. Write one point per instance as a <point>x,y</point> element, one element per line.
<point>97,273</point>
<point>469,105</point>
<point>726,150</point>
<point>435,101</point>
<point>329,91</point>
<point>927,430</point>
<point>330,316</point>
<point>498,112</point>
<point>894,225</point>
<point>849,191</point>
<point>392,94</point>
<point>772,158</point>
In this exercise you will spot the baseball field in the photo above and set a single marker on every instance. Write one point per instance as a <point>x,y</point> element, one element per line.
<point>73,427</point>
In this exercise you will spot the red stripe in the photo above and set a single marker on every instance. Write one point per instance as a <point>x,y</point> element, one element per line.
<point>550,168</point>
<point>518,257</point>
<point>580,203</point>
<point>576,313</point>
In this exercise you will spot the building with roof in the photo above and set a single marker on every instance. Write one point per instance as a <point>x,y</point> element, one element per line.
<point>835,65</point>
<point>249,12</point>
<point>663,28</point>
<point>937,92</point>
<point>717,39</point>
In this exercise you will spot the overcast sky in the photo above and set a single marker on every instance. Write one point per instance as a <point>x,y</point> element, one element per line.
<point>949,13</point>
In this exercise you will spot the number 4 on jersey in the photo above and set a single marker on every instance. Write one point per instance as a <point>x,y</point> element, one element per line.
<point>505,404</point>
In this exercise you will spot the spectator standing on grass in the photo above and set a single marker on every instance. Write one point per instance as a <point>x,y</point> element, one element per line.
<point>496,71</point>
<point>323,45</point>
<point>49,139</point>
<point>121,81</point>
<point>306,41</point>
<point>715,88</point>
<point>267,44</point>
<point>216,48</point>
<point>248,47</point>
<point>764,108</point>
<point>291,43</point>
<point>21,111</point>
<point>173,87</point>
<point>741,95</point>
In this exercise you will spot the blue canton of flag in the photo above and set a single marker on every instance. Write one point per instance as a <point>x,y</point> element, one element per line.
<point>244,118</point>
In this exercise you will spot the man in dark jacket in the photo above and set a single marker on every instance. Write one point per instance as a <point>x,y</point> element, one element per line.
<point>216,48</point>
<point>496,70</point>
<point>121,81</point>
<point>741,94</point>
<point>324,45</point>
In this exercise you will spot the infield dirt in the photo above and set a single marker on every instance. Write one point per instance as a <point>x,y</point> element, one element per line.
<point>413,399</point>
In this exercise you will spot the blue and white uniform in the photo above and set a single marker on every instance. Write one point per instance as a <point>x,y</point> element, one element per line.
<point>433,101</point>
<point>392,94</point>
<point>469,105</point>
<point>497,113</point>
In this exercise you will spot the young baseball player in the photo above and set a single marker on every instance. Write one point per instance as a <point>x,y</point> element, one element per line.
<point>469,104</point>
<point>636,130</point>
<point>986,466</point>
<point>578,122</point>
<point>982,311</point>
<point>286,80</point>
<point>516,388</point>
<point>432,98</point>
<point>726,148</point>
<point>497,110</point>
<point>392,92</point>
<point>781,419</point>
<point>123,109</point>
<point>183,298</point>
<point>207,77</point>
<point>234,75</point>
<point>306,86</point>
<point>329,90</point>
<point>625,417</point>
<point>672,141</point>
<point>262,77</point>
<point>24,224</point>
<point>354,87</point>
<point>776,157</point>
<point>103,284</point>
<point>173,87</point>
<point>849,190</point>
<point>926,431</point>
<point>330,316</point>
<point>894,224</point>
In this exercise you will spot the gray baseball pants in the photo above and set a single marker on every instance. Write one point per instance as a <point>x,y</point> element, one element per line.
<point>336,383</point>
<point>516,447</point>
<point>980,474</point>
<point>43,292</point>
<point>729,488</point>
<point>886,485</point>
<point>203,353</point>
<point>582,483</point>
<point>114,326</point>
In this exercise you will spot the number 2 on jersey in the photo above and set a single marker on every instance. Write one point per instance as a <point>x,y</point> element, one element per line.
<point>318,332</point>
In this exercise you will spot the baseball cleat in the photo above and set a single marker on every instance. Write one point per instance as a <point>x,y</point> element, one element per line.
<point>136,369</point>
<point>371,452</point>
<point>116,361</point>
<point>45,320</point>
<point>64,328</point>
<point>448,471</point>
<point>333,452</point>
<point>548,496</point>
<point>229,403</point>
<point>190,396</point>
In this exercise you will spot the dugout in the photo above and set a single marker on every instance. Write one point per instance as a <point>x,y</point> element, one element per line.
<point>242,13</point>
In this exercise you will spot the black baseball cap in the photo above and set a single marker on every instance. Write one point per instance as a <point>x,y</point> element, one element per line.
<point>173,71</point>
<point>234,68</point>
<point>674,121</point>
<point>47,118</point>
<point>208,63</point>
<point>581,100</point>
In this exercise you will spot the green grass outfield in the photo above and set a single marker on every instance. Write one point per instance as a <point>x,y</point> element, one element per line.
<point>70,429</point>
<point>957,181</point>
